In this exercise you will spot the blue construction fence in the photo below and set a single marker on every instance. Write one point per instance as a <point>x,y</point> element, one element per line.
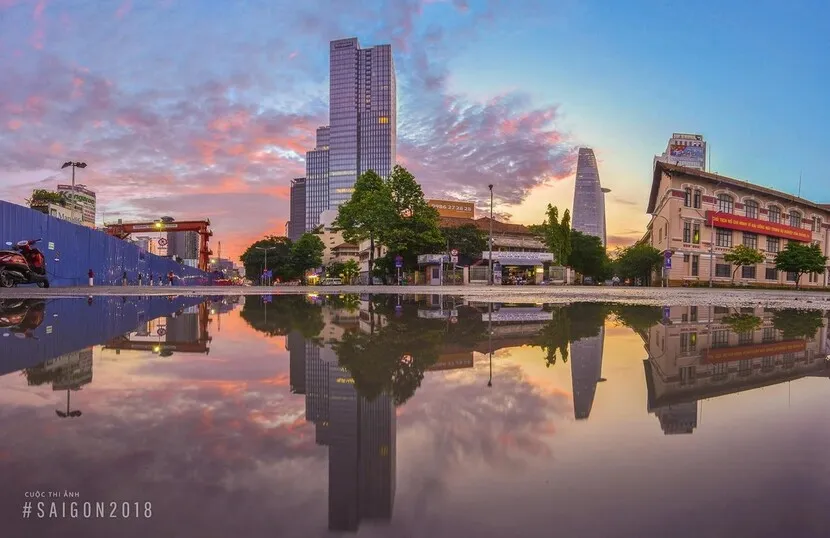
<point>73,324</point>
<point>72,250</point>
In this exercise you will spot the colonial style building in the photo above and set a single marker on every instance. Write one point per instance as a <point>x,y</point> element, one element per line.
<point>697,217</point>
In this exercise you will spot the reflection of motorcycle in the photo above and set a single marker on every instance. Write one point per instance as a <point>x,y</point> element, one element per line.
<point>22,316</point>
<point>25,264</point>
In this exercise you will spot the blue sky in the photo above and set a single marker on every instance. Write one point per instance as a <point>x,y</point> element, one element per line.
<point>205,109</point>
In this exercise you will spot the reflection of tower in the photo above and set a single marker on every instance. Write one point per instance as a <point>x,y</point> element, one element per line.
<point>183,328</point>
<point>586,370</point>
<point>678,418</point>
<point>361,438</point>
<point>296,352</point>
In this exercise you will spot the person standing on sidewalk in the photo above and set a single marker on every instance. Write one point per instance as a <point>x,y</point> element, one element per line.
<point>124,279</point>
<point>139,279</point>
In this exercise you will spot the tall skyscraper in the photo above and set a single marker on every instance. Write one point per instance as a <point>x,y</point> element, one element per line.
<point>589,197</point>
<point>296,224</point>
<point>687,150</point>
<point>362,130</point>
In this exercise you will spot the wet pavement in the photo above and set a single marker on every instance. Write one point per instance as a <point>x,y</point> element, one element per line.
<point>410,416</point>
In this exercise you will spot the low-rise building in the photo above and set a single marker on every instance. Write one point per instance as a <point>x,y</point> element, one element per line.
<point>337,249</point>
<point>59,212</point>
<point>698,217</point>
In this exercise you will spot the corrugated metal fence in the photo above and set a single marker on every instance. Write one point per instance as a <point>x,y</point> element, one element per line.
<point>72,250</point>
<point>73,324</point>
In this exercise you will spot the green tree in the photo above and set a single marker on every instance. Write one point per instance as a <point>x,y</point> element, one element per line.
<point>285,314</point>
<point>795,323</point>
<point>556,234</point>
<point>414,229</point>
<point>350,271</point>
<point>569,324</point>
<point>307,253</point>
<point>638,261</point>
<point>335,269</point>
<point>278,257</point>
<point>468,239</point>
<point>368,213</point>
<point>800,258</point>
<point>588,256</point>
<point>742,323</point>
<point>741,256</point>
<point>639,318</point>
<point>43,196</point>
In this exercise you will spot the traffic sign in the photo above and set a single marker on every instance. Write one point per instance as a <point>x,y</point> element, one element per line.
<point>453,313</point>
<point>668,263</point>
<point>453,320</point>
<point>454,252</point>
<point>453,259</point>
<point>161,331</point>
<point>162,241</point>
<point>398,264</point>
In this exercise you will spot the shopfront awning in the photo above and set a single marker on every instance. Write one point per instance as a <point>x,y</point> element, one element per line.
<point>520,262</point>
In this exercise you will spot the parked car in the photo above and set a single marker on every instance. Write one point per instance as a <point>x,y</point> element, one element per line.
<point>331,282</point>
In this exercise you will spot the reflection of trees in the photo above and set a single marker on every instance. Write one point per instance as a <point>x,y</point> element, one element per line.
<point>742,323</point>
<point>40,375</point>
<point>796,323</point>
<point>639,318</point>
<point>287,313</point>
<point>393,358</point>
<point>349,302</point>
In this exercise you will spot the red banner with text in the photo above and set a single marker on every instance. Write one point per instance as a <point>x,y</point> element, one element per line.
<point>746,224</point>
<point>729,354</point>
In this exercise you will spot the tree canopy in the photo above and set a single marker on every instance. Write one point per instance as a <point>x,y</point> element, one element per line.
<point>800,258</point>
<point>588,257</point>
<point>555,234</point>
<point>637,261</point>
<point>468,239</point>
<point>741,256</point>
<point>278,257</point>
<point>44,196</point>
<point>280,317</point>
<point>306,253</point>
<point>797,323</point>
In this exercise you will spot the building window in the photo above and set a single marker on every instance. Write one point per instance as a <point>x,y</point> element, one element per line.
<point>751,209</point>
<point>687,375</point>
<point>769,334</point>
<point>751,240</point>
<point>693,315</point>
<point>725,203</point>
<point>721,310</point>
<point>696,233</point>
<point>720,371</point>
<point>795,219</point>
<point>688,342</point>
<point>723,270</point>
<point>383,119</point>
<point>748,271</point>
<point>697,198</point>
<point>817,224</point>
<point>773,244</point>
<point>791,276</point>
<point>687,232</point>
<point>774,214</point>
<point>685,258</point>
<point>723,238</point>
<point>695,265</point>
<point>767,364</point>
<point>687,197</point>
<point>771,273</point>
<point>744,367</point>
<point>720,338</point>
<point>745,338</point>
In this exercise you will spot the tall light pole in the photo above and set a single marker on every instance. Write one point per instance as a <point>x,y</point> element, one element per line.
<point>490,253</point>
<point>266,249</point>
<point>490,341</point>
<point>74,165</point>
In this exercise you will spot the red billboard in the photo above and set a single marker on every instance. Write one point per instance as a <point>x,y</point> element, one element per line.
<point>729,354</point>
<point>746,224</point>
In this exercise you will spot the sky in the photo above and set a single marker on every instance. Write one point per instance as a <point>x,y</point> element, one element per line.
<point>204,109</point>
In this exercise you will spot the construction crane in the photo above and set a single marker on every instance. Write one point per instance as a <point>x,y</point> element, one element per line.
<point>123,230</point>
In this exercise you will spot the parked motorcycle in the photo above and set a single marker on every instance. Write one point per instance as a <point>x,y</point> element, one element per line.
<point>23,264</point>
<point>22,316</point>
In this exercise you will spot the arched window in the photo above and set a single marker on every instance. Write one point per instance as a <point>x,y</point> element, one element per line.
<point>751,207</point>
<point>795,219</point>
<point>725,203</point>
<point>817,224</point>
<point>687,197</point>
<point>774,213</point>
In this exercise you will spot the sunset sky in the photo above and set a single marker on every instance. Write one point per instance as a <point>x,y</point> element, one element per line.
<point>198,109</point>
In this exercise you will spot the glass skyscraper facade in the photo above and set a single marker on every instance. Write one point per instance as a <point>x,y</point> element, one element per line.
<point>362,129</point>
<point>296,224</point>
<point>589,199</point>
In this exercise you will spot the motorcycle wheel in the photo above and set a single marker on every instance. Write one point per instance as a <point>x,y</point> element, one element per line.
<point>5,280</point>
<point>43,284</point>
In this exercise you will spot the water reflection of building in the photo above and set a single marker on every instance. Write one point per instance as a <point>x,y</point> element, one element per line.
<point>184,331</point>
<point>586,371</point>
<point>70,371</point>
<point>360,435</point>
<point>694,355</point>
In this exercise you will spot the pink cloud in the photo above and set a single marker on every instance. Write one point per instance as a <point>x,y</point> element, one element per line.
<point>124,9</point>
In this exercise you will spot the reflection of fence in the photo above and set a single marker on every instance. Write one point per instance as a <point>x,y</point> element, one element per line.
<point>72,250</point>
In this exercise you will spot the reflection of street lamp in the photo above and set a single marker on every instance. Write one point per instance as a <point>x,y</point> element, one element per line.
<point>74,165</point>
<point>265,249</point>
<point>490,341</point>
<point>491,235</point>
<point>68,414</point>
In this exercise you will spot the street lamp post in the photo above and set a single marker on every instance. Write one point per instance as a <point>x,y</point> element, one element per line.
<point>490,341</point>
<point>266,249</point>
<point>74,165</point>
<point>490,252</point>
